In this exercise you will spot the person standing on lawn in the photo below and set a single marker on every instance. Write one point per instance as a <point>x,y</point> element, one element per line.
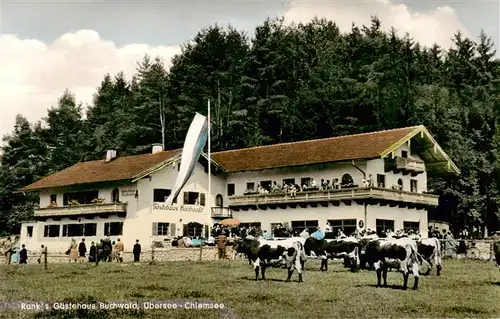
<point>23,255</point>
<point>221,245</point>
<point>137,251</point>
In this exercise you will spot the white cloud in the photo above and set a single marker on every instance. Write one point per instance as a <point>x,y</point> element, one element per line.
<point>33,74</point>
<point>436,26</point>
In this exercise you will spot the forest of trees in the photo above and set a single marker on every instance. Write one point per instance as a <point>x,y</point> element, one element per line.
<point>287,83</point>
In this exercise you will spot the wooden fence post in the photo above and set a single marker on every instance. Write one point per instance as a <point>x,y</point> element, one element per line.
<point>153,253</point>
<point>96,255</point>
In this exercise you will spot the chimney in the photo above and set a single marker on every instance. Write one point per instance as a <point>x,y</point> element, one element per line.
<point>157,148</point>
<point>110,155</point>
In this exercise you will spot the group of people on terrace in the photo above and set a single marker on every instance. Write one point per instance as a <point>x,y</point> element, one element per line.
<point>310,185</point>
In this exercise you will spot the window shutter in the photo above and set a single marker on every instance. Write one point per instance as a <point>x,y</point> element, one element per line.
<point>206,231</point>
<point>155,229</point>
<point>202,199</point>
<point>186,198</point>
<point>185,230</point>
<point>172,229</point>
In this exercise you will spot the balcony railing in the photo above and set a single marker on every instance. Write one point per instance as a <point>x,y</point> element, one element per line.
<point>409,164</point>
<point>333,195</point>
<point>86,209</point>
<point>404,164</point>
<point>222,212</point>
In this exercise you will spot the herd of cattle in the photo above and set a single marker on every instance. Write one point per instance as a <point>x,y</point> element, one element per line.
<point>404,254</point>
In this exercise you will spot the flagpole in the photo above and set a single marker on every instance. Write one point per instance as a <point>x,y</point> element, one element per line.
<point>209,161</point>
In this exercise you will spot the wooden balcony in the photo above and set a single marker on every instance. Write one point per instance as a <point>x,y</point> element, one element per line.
<point>86,209</point>
<point>222,212</point>
<point>374,195</point>
<point>405,165</point>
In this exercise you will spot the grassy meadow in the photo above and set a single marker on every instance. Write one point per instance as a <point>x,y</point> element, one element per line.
<point>465,289</point>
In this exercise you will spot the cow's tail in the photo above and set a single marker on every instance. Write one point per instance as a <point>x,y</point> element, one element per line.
<point>438,249</point>
<point>417,256</point>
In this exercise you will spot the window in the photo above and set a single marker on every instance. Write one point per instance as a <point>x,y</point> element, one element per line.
<point>289,181</point>
<point>51,231</point>
<point>404,154</point>
<point>305,181</point>
<point>219,201</point>
<point>82,197</point>
<point>194,198</point>
<point>381,180</point>
<point>300,225</point>
<point>250,186</point>
<point>89,229</point>
<point>266,184</point>
<point>384,225</point>
<point>193,229</point>
<point>53,198</point>
<point>230,189</point>
<point>115,195</point>
<point>160,195</point>
<point>29,229</point>
<point>413,226</point>
<point>347,180</point>
<point>413,185</point>
<point>400,184</point>
<point>113,229</point>
<point>161,229</point>
<point>348,226</point>
<point>72,230</point>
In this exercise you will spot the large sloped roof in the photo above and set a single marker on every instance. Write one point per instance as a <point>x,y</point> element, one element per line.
<point>334,149</point>
<point>121,168</point>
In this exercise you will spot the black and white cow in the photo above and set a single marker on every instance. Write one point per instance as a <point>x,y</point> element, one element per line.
<point>496,251</point>
<point>324,249</point>
<point>400,253</point>
<point>264,253</point>
<point>363,243</point>
<point>430,250</point>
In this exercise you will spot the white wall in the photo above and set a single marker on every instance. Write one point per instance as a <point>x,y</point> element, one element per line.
<point>322,214</point>
<point>60,243</point>
<point>319,213</point>
<point>376,166</point>
<point>140,224</point>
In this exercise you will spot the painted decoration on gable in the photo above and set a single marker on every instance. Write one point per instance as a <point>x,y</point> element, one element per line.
<point>193,145</point>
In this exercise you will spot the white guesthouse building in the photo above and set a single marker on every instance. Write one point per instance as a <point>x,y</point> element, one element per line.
<point>124,197</point>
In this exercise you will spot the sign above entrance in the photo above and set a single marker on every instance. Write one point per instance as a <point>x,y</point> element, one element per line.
<point>128,192</point>
<point>182,208</point>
